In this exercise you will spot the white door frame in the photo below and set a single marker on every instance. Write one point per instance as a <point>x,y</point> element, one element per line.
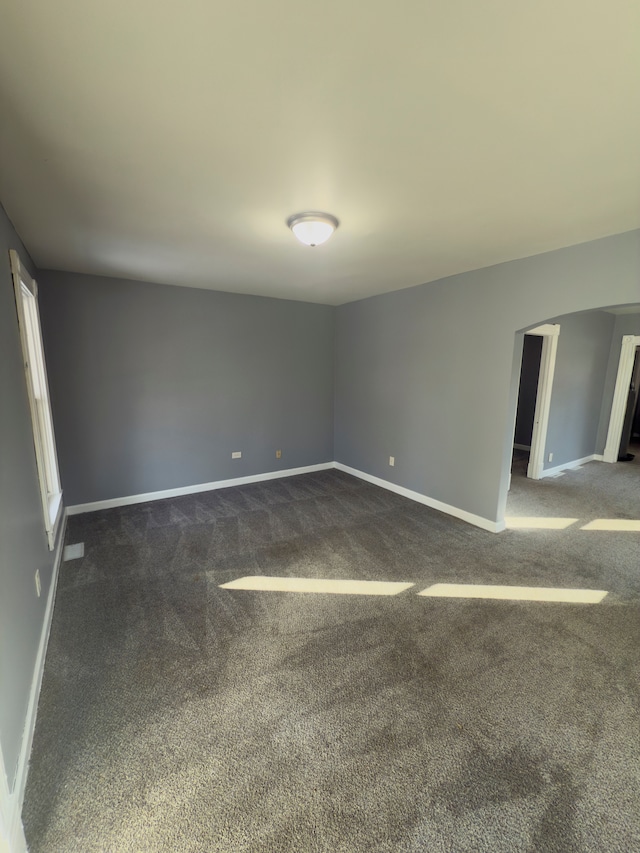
<point>549,333</point>
<point>620,396</point>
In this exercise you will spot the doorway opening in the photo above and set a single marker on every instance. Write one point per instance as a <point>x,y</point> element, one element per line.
<point>624,409</point>
<point>526,407</point>
<point>631,423</point>
<point>534,398</point>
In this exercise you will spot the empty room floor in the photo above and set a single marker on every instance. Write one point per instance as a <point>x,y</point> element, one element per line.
<point>178,714</point>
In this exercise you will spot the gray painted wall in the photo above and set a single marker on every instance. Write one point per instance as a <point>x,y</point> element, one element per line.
<point>625,324</point>
<point>23,544</point>
<point>154,386</point>
<point>414,367</point>
<point>528,389</point>
<point>578,386</point>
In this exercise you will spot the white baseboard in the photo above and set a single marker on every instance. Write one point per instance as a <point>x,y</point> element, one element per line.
<point>192,490</point>
<point>551,472</point>
<point>477,520</point>
<point>15,841</point>
<point>471,518</point>
<point>522,446</point>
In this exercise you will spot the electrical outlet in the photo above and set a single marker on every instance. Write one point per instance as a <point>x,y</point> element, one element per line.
<point>392,461</point>
<point>278,454</point>
<point>551,457</point>
<point>237,454</point>
<point>38,586</point>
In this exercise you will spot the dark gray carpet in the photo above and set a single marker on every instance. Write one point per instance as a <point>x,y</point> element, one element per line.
<point>176,716</point>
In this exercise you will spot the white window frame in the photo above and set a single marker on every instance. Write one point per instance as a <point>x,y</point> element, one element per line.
<point>26,293</point>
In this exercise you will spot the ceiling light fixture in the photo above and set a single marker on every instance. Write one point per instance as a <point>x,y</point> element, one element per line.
<point>312,228</point>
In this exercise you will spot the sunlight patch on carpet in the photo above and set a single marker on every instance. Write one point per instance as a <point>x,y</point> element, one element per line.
<point>514,593</point>
<point>260,583</point>
<point>621,524</point>
<point>535,523</point>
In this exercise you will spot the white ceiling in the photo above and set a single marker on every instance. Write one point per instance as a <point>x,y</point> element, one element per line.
<point>169,141</point>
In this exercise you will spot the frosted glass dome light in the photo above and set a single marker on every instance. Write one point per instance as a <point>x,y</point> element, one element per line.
<point>312,229</point>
